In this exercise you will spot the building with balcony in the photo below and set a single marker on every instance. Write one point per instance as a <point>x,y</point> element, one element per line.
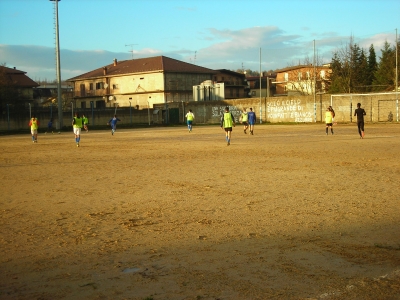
<point>299,80</point>
<point>139,83</point>
<point>16,88</point>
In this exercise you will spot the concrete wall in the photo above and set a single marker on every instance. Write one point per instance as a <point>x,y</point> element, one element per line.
<point>293,109</point>
<point>300,109</point>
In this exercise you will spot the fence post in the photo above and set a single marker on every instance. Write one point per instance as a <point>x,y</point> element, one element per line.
<point>130,111</point>
<point>8,117</point>
<point>91,107</point>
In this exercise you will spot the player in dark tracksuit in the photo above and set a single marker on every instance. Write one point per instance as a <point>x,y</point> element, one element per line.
<point>360,113</point>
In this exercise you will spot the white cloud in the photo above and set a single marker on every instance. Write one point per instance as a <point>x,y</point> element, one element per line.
<point>230,50</point>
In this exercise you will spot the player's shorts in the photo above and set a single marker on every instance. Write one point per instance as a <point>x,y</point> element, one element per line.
<point>251,123</point>
<point>189,122</point>
<point>77,130</point>
<point>329,124</point>
<point>228,129</point>
<point>34,131</point>
<point>245,123</point>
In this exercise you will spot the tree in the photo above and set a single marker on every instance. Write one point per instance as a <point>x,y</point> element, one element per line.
<point>341,70</point>
<point>301,79</point>
<point>385,72</point>
<point>372,66</point>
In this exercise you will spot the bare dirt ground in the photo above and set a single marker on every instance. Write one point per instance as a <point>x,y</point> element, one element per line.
<point>288,213</point>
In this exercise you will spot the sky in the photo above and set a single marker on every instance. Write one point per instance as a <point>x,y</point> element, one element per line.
<point>216,34</point>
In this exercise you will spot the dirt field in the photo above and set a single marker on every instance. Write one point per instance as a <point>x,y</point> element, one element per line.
<point>288,213</point>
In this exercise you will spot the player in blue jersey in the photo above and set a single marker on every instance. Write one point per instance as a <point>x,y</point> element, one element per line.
<point>113,124</point>
<point>251,119</point>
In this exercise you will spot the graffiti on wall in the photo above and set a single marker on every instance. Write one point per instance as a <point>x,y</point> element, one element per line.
<point>218,111</point>
<point>289,110</point>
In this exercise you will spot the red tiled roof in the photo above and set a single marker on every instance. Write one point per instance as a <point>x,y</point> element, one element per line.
<point>298,67</point>
<point>145,65</point>
<point>17,78</point>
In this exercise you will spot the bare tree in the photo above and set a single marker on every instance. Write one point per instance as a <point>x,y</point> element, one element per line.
<point>307,79</point>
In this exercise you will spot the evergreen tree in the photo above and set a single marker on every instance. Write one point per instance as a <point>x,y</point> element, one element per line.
<point>336,79</point>
<point>363,75</point>
<point>372,66</point>
<point>385,73</point>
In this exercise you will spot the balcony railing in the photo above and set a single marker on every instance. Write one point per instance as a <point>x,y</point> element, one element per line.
<point>90,93</point>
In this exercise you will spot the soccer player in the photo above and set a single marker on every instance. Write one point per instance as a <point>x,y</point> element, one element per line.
<point>34,124</point>
<point>360,113</point>
<point>227,121</point>
<point>113,123</point>
<point>50,126</point>
<point>251,115</point>
<point>328,120</point>
<point>189,118</point>
<point>77,124</point>
<point>85,122</point>
<point>243,120</point>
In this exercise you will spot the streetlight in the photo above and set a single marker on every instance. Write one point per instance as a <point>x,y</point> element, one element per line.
<point>60,112</point>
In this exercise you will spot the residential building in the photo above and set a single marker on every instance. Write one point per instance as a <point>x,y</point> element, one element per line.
<point>46,94</point>
<point>139,83</point>
<point>235,85</point>
<point>267,89</point>
<point>16,88</point>
<point>226,84</point>
<point>300,80</point>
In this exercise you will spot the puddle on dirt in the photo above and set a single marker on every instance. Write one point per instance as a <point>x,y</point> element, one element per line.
<point>130,270</point>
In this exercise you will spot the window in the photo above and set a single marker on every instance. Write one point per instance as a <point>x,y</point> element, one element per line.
<point>91,86</point>
<point>83,104</point>
<point>300,75</point>
<point>100,104</point>
<point>308,75</point>
<point>322,74</point>
<point>286,76</point>
<point>99,85</point>
<point>115,86</point>
<point>82,89</point>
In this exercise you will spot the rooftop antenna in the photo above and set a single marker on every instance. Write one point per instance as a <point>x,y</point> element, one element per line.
<point>194,57</point>
<point>130,45</point>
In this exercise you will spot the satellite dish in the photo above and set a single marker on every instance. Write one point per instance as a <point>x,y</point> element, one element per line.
<point>110,98</point>
<point>106,85</point>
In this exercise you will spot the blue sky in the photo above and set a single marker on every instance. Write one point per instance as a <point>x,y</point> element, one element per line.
<point>218,34</point>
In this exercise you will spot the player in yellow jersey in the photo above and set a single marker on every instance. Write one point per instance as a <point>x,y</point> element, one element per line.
<point>85,122</point>
<point>34,124</point>
<point>189,118</point>
<point>243,120</point>
<point>328,120</point>
<point>227,122</point>
<point>77,124</point>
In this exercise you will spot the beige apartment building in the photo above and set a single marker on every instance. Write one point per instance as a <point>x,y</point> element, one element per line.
<point>139,83</point>
<point>299,80</point>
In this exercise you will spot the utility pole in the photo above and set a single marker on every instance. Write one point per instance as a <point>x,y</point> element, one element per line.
<point>260,91</point>
<point>315,88</point>
<point>60,111</point>
<point>397,81</point>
